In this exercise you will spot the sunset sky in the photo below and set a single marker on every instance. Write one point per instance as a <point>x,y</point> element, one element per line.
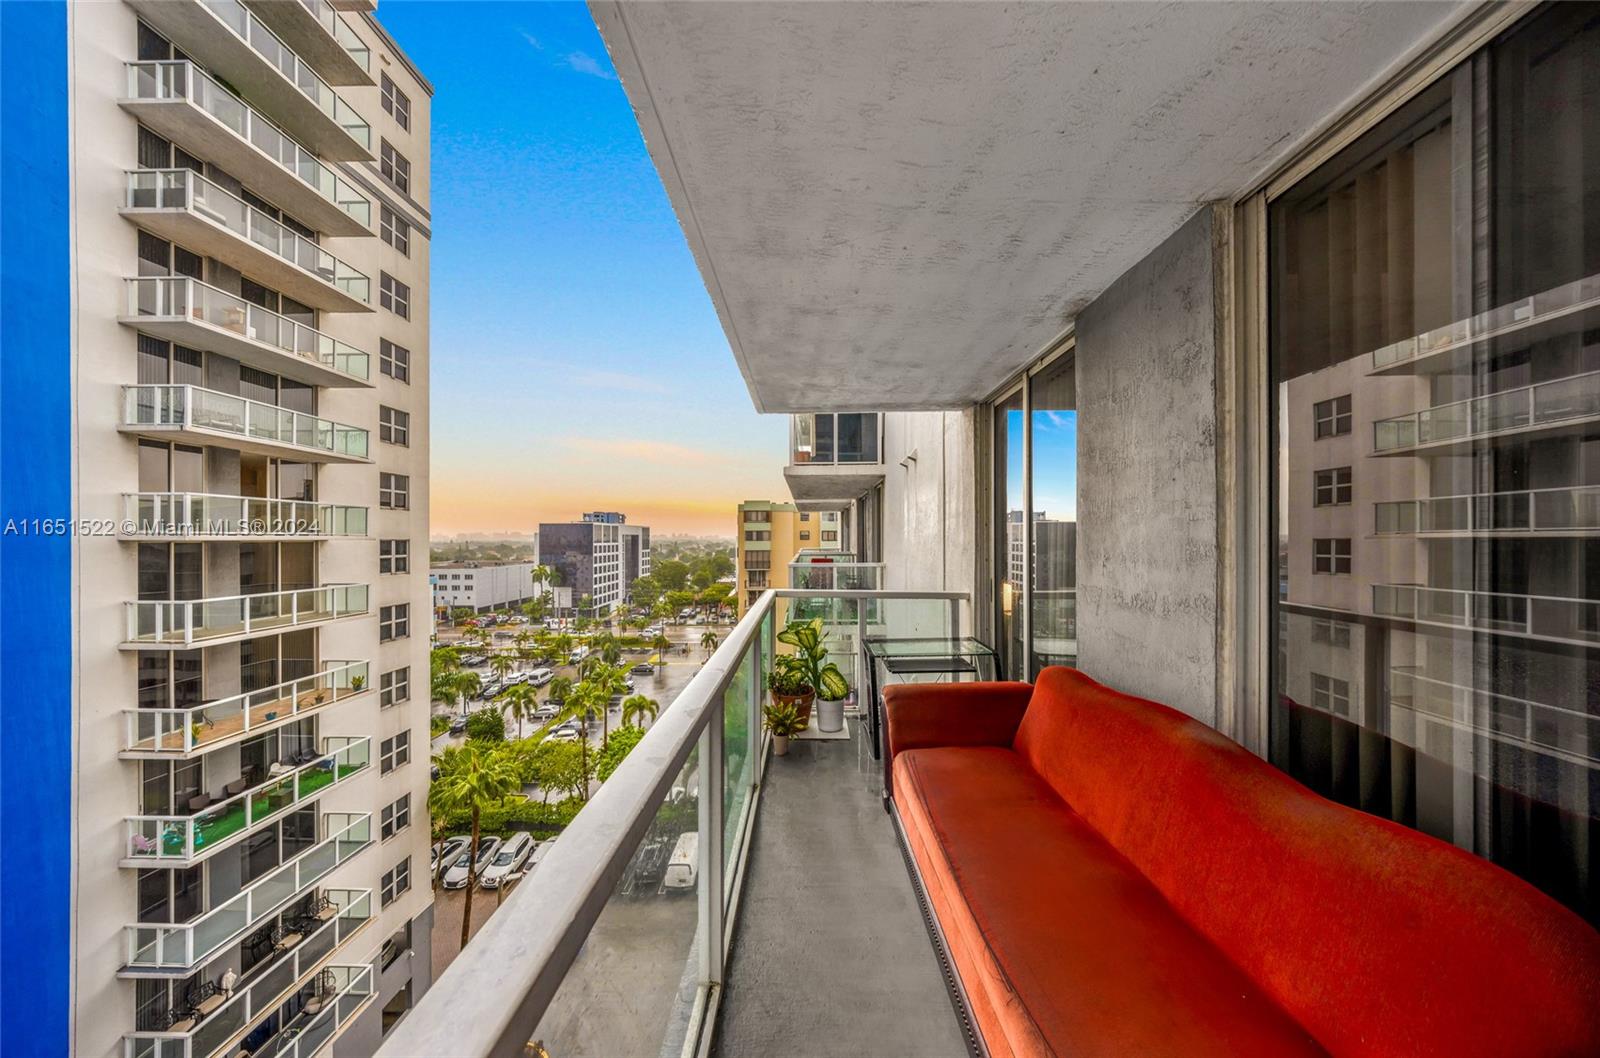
<point>577,361</point>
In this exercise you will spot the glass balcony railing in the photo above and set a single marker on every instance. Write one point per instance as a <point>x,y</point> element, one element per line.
<point>1539,616</point>
<point>192,514</point>
<point>267,985</point>
<point>1556,401</point>
<point>1523,511</point>
<point>190,407</point>
<point>172,945</point>
<point>267,44</point>
<point>187,190</point>
<point>167,80</point>
<point>338,995</point>
<point>1523,317</point>
<point>691,785</point>
<point>188,621</point>
<point>840,576</point>
<point>182,298</point>
<point>835,438</point>
<point>340,30</point>
<point>1546,728</point>
<point>195,728</point>
<point>179,840</point>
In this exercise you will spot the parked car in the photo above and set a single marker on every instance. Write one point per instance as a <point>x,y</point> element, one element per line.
<point>684,866</point>
<point>518,677</point>
<point>458,725</point>
<point>456,876</point>
<point>644,668</point>
<point>490,688</point>
<point>546,711</point>
<point>512,855</point>
<point>541,676</point>
<point>567,732</point>
<point>449,850</point>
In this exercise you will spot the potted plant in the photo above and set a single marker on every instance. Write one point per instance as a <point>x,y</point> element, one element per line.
<point>810,662</point>
<point>783,719</point>
<point>830,704</point>
<point>788,685</point>
<point>357,682</point>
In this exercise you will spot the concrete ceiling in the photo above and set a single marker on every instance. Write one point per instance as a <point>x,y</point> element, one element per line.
<point>896,206</point>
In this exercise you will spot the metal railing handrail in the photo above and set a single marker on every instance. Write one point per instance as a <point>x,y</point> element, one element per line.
<point>491,998</point>
<point>258,420</point>
<point>1473,430</point>
<point>1418,503</point>
<point>330,19</point>
<point>184,718</point>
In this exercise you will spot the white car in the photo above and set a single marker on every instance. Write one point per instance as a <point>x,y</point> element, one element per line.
<point>540,677</point>
<point>449,850</point>
<point>456,876</point>
<point>509,860</point>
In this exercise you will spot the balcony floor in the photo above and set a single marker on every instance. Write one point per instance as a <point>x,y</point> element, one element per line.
<point>830,953</point>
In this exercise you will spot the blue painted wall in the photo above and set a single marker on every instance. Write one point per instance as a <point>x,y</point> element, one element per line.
<point>35,570</point>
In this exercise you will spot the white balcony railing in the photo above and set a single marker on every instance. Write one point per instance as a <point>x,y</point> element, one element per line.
<point>180,298</point>
<point>180,515</point>
<point>1539,726</point>
<point>836,439</point>
<point>1539,616</point>
<point>1525,315</point>
<point>180,840</point>
<point>190,407</point>
<point>1522,511</point>
<point>836,576</point>
<point>348,990</point>
<point>182,80</point>
<point>1543,404</point>
<point>697,771</point>
<point>175,945</point>
<point>188,621</point>
<point>263,990</point>
<point>187,190</point>
<point>181,731</point>
<point>337,28</point>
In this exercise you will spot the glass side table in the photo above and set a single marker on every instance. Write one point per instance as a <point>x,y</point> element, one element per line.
<point>932,659</point>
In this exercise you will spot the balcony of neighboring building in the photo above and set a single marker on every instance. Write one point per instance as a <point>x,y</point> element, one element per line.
<point>1561,405</point>
<point>290,955</point>
<point>211,516</point>
<point>1571,511</point>
<point>206,417</point>
<point>834,457</point>
<point>356,5</point>
<point>186,208</point>
<point>230,40</point>
<point>183,623</point>
<point>1541,727</point>
<point>200,316</point>
<point>175,949</point>
<point>241,806</point>
<point>182,103</point>
<point>322,37</point>
<point>180,733</point>
<point>1550,617</point>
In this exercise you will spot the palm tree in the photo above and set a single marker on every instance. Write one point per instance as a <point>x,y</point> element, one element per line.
<point>637,705</point>
<point>444,659</point>
<point>560,689</point>
<point>576,704</point>
<point>452,687</point>
<point>662,644</point>
<point>708,642</point>
<point>608,683</point>
<point>563,645</point>
<point>519,701</point>
<point>502,664</point>
<point>472,778</point>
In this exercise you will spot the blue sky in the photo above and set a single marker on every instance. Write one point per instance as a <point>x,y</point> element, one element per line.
<point>577,360</point>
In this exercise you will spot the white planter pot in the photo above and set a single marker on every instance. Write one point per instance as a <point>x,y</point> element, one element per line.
<point>780,745</point>
<point>830,715</point>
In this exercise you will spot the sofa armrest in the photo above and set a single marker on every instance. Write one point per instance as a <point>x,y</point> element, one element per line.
<point>925,715</point>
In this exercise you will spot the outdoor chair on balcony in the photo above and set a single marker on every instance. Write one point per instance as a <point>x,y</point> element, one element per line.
<point>236,787</point>
<point>1109,877</point>
<point>204,998</point>
<point>200,802</point>
<point>286,937</point>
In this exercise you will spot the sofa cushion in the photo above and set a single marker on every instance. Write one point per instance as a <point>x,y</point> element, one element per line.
<point>1378,939</point>
<point>1062,946</point>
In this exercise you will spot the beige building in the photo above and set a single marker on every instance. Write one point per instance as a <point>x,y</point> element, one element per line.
<point>771,536</point>
<point>250,210</point>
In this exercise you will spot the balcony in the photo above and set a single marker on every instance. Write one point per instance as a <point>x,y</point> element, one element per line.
<point>182,205</point>
<point>1535,616</point>
<point>225,36</point>
<point>178,733</point>
<point>1557,512</point>
<point>158,949</point>
<point>310,939</point>
<point>833,458</point>
<point>1560,404</point>
<point>229,618</point>
<point>827,575</point>
<point>340,994</point>
<point>823,862</point>
<point>1547,729</point>
<point>322,37</point>
<point>201,316</point>
<point>181,102</point>
<point>182,841</point>
<point>211,516</point>
<point>355,5</point>
<point>204,416</point>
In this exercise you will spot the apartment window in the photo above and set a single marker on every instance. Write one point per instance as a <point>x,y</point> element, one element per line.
<point>393,752</point>
<point>394,230</point>
<point>1333,487</point>
<point>755,578</point>
<point>805,516</point>
<point>805,534</point>
<point>396,880</point>
<point>1466,708</point>
<point>1330,555</point>
<point>394,556</point>
<point>1332,417</point>
<point>763,516</point>
<point>395,947</point>
<point>394,167</point>
<point>394,491</point>
<point>758,560</point>
<point>758,534</point>
<point>394,295</point>
<point>394,818</point>
<point>394,622</point>
<point>830,536</point>
<point>1333,633</point>
<point>395,102</point>
<point>394,360</point>
<point>394,426</point>
<point>394,687</point>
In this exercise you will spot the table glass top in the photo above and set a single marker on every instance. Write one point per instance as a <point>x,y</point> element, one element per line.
<point>928,646</point>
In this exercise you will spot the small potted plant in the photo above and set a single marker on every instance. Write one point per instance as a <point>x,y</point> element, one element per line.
<point>788,685</point>
<point>357,682</point>
<point>830,703</point>
<point>783,720</point>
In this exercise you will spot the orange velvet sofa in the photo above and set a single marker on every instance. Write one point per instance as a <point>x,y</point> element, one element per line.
<point>1112,878</point>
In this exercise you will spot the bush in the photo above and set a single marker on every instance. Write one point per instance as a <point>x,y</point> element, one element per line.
<point>517,813</point>
<point>486,725</point>
<point>438,725</point>
<point>618,745</point>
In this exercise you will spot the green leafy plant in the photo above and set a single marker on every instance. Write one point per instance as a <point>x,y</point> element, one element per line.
<point>486,725</point>
<point>357,682</point>
<point>782,719</point>
<point>787,678</point>
<point>810,658</point>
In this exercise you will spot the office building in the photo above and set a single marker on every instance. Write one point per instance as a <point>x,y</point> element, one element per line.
<point>772,538</point>
<point>598,557</point>
<point>230,853</point>
<point>485,586</point>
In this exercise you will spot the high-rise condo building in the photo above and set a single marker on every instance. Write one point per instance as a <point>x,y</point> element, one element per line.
<point>599,556</point>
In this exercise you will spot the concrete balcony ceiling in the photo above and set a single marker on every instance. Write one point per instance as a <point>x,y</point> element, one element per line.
<point>896,207</point>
